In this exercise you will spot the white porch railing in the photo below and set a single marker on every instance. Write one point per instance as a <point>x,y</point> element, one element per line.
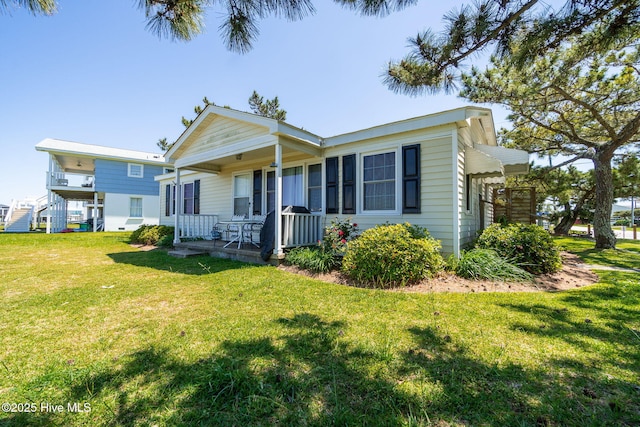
<point>301,229</point>
<point>193,226</point>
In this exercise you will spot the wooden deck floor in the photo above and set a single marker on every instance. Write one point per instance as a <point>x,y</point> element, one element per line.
<point>246,253</point>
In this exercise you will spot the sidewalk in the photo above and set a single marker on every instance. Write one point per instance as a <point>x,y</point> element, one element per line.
<point>620,234</point>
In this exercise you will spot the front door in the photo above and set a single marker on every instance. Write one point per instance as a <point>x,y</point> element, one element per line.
<point>242,194</point>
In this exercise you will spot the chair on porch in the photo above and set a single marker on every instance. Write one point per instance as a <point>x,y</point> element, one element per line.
<point>251,229</point>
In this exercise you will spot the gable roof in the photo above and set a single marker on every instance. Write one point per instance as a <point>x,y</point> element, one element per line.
<point>271,127</point>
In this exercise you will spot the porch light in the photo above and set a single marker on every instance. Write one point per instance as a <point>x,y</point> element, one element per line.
<point>239,156</point>
<point>273,165</point>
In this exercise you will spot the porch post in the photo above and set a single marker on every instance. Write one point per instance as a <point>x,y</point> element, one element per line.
<point>176,232</point>
<point>95,211</point>
<point>278,219</point>
<point>49,198</point>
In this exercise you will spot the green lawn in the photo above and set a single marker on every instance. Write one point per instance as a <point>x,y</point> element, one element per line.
<point>140,338</point>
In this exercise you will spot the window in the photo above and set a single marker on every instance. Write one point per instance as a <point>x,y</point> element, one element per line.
<point>314,188</point>
<point>187,198</point>
<point>379,178</point>
<point>242,194</point>
<point>292,190</point>
<point>271,191</point>
<point>135,170</point>
<point>135,207</point>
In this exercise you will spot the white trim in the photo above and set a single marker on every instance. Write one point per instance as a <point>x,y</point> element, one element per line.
<point>176,216</point>
<point>278,225</point>
<point>61,147</point>
<point>133,175</point>
<point>456,218</point>
<point>227,150</point>
<point>398,181</point>
<point>131,199</point>
<point>233,190</point>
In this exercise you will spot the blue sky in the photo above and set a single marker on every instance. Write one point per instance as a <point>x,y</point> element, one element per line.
<point>92,73</point>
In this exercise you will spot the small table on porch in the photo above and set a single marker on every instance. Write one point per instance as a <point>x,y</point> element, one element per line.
<point>240,223</point>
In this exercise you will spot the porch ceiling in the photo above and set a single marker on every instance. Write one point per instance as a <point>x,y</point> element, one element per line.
<point>75,193</point>
<point>72,163</point>
<point>260,156</point>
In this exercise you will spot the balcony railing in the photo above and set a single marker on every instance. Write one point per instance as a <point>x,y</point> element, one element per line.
<point>60,179</point>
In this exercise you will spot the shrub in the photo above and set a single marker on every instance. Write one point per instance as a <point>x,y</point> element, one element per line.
<point>389,255</point>
<point>315,259</point>
<point>530,247</point>
<point>478,264</point>
<point>338,235</point>
<point>151,234</point>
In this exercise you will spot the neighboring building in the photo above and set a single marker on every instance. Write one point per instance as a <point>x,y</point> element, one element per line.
<point>435,171</point>
<point>117,186</point>
<point>4,209</point>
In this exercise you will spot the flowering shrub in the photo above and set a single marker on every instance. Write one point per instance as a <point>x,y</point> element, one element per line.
<point>338,235</point>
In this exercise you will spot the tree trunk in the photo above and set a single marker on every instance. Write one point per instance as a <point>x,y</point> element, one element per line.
<point>567,221</point>
<point>604,235</point>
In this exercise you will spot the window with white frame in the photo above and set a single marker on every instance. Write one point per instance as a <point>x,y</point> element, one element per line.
<point>135,170</point>
<point>314,187</point>
<point>292,189</point>
<point>135,207</point>
<point>379,182</point>
<point>188,198</point>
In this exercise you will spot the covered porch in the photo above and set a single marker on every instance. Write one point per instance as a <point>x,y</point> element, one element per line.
<point>233,171</point>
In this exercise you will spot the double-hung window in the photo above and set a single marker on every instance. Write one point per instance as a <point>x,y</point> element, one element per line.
<point>135,207</point>
<point>379,182</point>
<point>135,170</point>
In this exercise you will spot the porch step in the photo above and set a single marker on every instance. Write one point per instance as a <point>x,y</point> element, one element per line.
<point>186,252</point>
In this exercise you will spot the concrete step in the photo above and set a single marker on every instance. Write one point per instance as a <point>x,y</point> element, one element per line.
<point>186,253</point>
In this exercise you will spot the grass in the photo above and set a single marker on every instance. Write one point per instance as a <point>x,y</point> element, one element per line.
<point>145,339</point>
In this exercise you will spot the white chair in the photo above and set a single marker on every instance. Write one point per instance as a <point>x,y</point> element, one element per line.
<point>251,229</point>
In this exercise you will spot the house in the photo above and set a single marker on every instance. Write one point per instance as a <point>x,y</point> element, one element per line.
<point>435,171</point>
<point>116,186</point>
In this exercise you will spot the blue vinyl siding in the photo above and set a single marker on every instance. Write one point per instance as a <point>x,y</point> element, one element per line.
<point>112,177</point>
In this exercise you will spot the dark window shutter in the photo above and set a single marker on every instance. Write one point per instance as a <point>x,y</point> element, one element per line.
<point>331,172</point>
<point>173,199</point>
<point>349,184</point>
<point>257,192</point>
<point>167,200</point>
<point>411,179</point>
<point>196,197</point>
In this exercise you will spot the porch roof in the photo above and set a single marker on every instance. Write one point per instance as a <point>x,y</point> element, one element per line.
<point>222,149</point>
<point>76,157</point>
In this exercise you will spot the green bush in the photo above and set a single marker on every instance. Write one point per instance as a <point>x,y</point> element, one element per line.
<point>390,255</point>
<point>151,234</point>
<point>479,264</point>
<point>338,235</point>
<point>315,259</point>
<point>530,247</point>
